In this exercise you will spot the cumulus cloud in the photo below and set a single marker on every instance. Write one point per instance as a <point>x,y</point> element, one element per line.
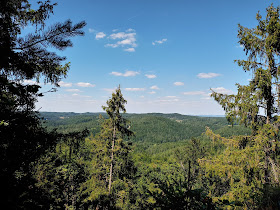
<point>85,84</point>
<point>159,41</point>
<point>152,92</point>
<point>130,49</point>
<point>150,76</point>
<point>100,35</point>
<point>193,93</point>
<point>222,90</point>
<point>208,75</point>
<point>178,83</point>
<point>154,87</point>
<point>123,39</point>
<point>73,90</point>
<point>134,89</point>
<point>64,84</point>
<point>126,74</point>
<point>122,35</point>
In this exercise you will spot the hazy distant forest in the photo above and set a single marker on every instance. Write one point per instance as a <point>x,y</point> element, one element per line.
<point>115,160</point>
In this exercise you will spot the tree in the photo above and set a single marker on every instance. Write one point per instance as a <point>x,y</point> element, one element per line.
<point>110,167</point>
<point>23,139</point>
<point>250,164</point>
<point>117,122</point>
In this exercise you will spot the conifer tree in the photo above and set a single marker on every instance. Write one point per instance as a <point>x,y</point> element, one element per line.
<point>115,106</point>
<point>23,138</point>
<point>249,167</point>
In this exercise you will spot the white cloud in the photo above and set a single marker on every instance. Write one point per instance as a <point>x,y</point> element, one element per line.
<point>208,75</point>
<point>122,35</point>
<point>64,84</point>
<point>129,50</point>
<point>130,41</point>
<point>193,93</point>
<point>134,89</point>
<point>154,87</point>
<point>126,74</point>
<point>178,83</point>
<point>114,30</point>
<point>222,90</point>
<point>75,94</point>
<point>150,76</point>
<point>72,90</point>
<point>159,41</point>
<point>171,96</point>
<point>152,92</point>
<point>85,84</point>
<point>126,39</point>
<point>91,30</point>
<point>30,82</point>
<point>100,35</point>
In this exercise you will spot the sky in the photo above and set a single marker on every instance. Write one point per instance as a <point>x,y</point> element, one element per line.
<point>166,55</point>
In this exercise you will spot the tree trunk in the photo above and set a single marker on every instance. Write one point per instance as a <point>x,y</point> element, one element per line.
<point>112,159</point>
<point>269,104</point>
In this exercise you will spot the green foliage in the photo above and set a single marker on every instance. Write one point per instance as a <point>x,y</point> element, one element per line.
<point>246,174</point>
<point>148,128</point>
<point>60,173</point>
<point>23,139</point>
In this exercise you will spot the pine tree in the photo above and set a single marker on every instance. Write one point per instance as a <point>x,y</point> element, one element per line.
<point>23,138</point>
<point>250,164</point>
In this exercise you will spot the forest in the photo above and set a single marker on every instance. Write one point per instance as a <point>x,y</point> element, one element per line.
<point>119,160</point>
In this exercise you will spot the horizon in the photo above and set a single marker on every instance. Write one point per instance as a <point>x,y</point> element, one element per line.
<point>137,113</point>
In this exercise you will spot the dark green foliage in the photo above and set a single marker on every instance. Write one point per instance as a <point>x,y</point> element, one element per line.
<point>149,128</point>
<point>23,139</point>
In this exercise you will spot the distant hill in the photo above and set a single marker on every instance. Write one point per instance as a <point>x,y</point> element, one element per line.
<point>151,127</point>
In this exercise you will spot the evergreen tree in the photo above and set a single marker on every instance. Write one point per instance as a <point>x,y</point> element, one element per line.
<point>248,170</point>
<point>23,139</point>
<point>110,167</point>
<point>117,122</point>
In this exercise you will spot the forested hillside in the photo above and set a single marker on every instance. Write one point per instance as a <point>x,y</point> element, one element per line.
<point>148,128</point>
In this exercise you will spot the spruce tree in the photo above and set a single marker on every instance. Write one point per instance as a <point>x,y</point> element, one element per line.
<point>248,170</point>
<point>115,105</point>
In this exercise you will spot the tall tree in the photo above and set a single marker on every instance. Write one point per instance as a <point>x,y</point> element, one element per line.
<point>249,167</point>
<point>23,139</point>
<point>115,106</point>
<point>110,167</point>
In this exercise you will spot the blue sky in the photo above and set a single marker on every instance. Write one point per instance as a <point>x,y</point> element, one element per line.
<point>166,55</point>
